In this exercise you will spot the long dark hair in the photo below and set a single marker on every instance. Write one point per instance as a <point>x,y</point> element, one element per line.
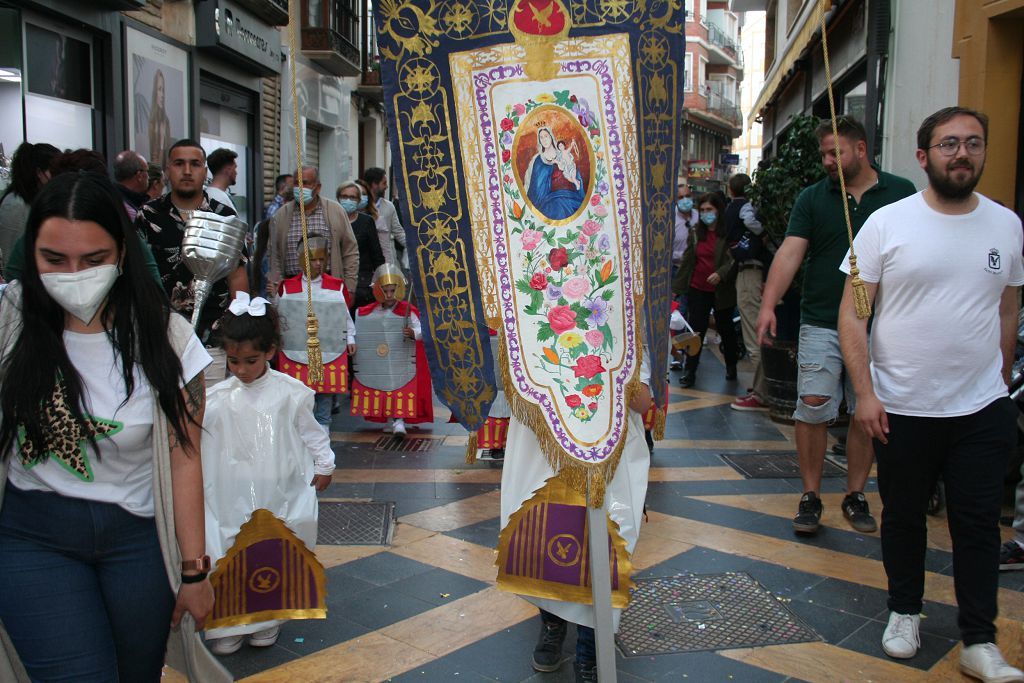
<point>136,320</point>
<point>29,160</point>
<point>715,200</point>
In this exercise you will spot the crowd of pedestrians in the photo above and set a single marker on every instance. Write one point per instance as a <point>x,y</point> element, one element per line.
<point>102,529</point>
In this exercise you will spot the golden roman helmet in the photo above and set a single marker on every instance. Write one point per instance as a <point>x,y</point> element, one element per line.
<point>388,274</point>
<point>317,248</point>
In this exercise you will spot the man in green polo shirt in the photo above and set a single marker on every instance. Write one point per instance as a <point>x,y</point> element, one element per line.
<point>817,234</point>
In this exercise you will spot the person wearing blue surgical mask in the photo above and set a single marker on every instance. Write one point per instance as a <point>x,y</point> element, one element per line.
<point>686,218</point>
<point>353,199</point>
<point>707,279</point>
<point>324,217</point>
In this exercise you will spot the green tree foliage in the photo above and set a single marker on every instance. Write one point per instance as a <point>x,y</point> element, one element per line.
<point>795,165</point>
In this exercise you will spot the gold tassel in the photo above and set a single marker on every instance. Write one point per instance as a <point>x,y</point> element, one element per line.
<point>861,302</point>
<point>471,449</point>
<point>660,416</point>
<point>860,291</point>
<point>316,360</point>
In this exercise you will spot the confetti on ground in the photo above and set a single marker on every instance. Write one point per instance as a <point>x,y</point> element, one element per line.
<point>300,640</point>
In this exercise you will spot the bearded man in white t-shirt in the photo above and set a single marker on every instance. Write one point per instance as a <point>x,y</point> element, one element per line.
<point>942,268</point>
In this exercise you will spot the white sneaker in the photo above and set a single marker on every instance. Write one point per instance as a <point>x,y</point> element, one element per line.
<point>399,427</point>
<point>901,640</point>
<point>266,637</point>
<point>984,662</point>
<point>224,646</point>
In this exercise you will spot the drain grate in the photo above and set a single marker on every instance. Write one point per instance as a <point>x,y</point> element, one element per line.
<point>775,465</point>
<point>696,612</point>
<point>406,444</point>
<point>355,523</point>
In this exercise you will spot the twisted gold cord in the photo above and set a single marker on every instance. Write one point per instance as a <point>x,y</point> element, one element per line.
<point>860,293</point>
<point>316,362</point>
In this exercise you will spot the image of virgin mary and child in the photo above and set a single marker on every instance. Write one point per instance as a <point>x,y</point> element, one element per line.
<point>554,184</point>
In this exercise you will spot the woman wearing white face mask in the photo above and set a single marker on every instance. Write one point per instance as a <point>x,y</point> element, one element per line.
<point>353,200</point>
<point>707,279</point>
<point>102,543</point>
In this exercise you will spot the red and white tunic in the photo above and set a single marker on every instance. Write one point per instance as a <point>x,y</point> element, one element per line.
<point>412,402</point>
<point>330,299</point>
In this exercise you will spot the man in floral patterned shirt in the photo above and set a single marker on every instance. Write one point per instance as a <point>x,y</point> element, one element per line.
<point>161,223</point>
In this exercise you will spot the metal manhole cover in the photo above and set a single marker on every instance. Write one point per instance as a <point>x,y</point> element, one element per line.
<point>406,444</point>
<point>355,523</point>
<point>695,612</point>
<point>775,465</point>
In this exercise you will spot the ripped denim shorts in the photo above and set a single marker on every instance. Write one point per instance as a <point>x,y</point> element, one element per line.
<point>821,374</point>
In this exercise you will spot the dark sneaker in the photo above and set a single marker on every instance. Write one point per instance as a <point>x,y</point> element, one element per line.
<point>730,373</point>
<point>676,366</point>
<point>586,672</point>
<point>688,379</point>
<point>855,509</point>
<point>1011,557</point>
<point>808,516</point>
<point>547,656</point>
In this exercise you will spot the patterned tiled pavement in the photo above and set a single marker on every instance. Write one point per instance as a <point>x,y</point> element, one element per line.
<point>426,607</point>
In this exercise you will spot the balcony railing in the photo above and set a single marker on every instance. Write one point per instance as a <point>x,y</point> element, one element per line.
<point>330,35</point>
<point>724,108</point>
<point>274,12</point>
<point>718,37</point>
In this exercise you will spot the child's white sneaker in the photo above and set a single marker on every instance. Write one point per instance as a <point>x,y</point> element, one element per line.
<point>399,427</point>
<point>266,637</point>
<point>224,646</point>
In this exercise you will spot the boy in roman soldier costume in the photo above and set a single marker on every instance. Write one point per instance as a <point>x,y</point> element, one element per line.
<point>337,334</point>
<point>392,382</point>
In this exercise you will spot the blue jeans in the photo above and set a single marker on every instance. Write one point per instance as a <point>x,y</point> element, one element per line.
<point>322,405</point>
<point>586,648</point>
<point>84,594</point>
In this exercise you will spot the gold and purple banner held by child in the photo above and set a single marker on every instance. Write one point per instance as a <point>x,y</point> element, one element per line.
<point>543,550</point>
<point>536,143</point>
<point>268,573</point>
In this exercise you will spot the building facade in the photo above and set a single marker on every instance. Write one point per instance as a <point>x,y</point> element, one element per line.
<point>139,74</point>
<point>713,76</point>
<point>748,145</point>
<point>893,63</point>
<point>987,41</point>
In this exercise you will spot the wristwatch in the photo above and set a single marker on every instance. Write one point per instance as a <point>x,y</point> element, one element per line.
<point>200,564</point>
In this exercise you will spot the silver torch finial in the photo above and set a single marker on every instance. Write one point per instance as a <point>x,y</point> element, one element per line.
<point>210,249</point>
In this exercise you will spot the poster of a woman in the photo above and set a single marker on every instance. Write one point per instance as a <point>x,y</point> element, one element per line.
<point>159,124</point>
<point>556,175</point>
<point>158,95</point>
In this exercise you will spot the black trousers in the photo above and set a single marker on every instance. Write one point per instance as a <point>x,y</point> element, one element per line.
<point>698,309</point>
<point>971,453</point>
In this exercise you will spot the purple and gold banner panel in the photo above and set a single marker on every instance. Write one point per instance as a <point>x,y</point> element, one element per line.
<point>542,551</point>
<point>268,574</point>
<point>536,144</point>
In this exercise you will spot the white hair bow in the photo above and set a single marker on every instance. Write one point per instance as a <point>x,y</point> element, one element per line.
<point>243,304</point>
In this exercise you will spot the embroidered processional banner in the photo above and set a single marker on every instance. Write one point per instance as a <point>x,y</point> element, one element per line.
<point>536,147</point>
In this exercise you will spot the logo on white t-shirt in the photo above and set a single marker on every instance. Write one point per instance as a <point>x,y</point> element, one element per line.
<point>994,261</point>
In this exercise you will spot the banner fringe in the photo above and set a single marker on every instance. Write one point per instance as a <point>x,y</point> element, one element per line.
<point>574,473</point>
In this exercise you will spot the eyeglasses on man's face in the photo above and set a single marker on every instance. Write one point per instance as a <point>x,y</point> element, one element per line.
<point>950,146</point>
